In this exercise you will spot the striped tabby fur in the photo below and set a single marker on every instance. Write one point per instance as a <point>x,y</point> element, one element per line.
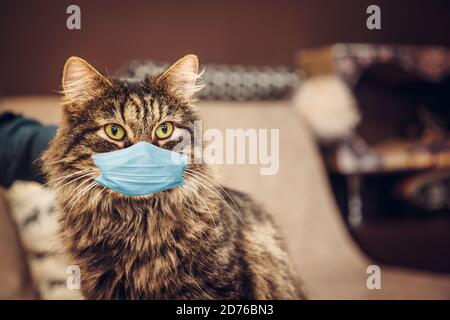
<point>196,241</point>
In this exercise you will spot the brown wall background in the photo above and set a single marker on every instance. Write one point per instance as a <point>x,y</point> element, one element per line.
<point>35,41</point>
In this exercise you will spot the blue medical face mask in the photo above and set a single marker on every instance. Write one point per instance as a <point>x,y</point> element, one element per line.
<point>141,169</point>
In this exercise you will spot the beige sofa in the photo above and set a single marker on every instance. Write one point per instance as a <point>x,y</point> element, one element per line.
<point>329,262</point>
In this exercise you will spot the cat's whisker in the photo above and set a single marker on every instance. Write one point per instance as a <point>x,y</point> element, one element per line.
<point>51,190</point>
<point>184,198</point>
<point>56,161</point>
<point>81,193</point>
<point>94,200</point>
<point>216,183</point>
<point>198,179</point>
<point>76,201</point>
<point>89,174</point>
<point>46,185</point>
<point>65,177</point>
<point>238,212</point>
<point>203,184</point>
<point>75,192</point>
<point>213,190</point>
<point>200,197</point>
<point>193,204</point>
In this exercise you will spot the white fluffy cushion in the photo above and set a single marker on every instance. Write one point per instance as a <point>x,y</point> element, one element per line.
<point>33,209</point>
<point>328,106</point>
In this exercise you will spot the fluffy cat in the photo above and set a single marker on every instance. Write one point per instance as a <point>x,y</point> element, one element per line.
<point>196,241</point>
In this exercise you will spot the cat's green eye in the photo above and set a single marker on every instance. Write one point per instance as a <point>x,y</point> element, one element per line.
<point>164,130</point>
<point>114,131</point>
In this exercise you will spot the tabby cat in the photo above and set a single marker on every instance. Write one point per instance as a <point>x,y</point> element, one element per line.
<point>195,241</point>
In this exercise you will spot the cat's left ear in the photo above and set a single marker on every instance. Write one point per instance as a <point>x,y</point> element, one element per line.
<point>81,81</point>
<point>182,78</point>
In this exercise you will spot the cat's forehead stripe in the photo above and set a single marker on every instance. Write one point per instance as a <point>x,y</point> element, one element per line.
<point>132,111</point>
<point>154,107</point>
<point>138,103</point>
<point>145,108</point>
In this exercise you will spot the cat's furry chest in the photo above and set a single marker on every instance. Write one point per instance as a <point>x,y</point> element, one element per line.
<point>144,254</point>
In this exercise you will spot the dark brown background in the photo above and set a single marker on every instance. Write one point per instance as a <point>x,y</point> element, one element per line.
<point>35,41</point>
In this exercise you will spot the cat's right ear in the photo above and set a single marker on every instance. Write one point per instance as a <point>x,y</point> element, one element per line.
<point>81,82</point>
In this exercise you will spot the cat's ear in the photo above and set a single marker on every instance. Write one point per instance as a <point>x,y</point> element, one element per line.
<point>81,81</point>
<point>182,78</point>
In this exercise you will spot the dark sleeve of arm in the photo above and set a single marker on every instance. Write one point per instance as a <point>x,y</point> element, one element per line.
<point>22,141</point>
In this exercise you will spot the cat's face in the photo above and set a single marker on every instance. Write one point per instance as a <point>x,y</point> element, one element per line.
<point>102,115</point>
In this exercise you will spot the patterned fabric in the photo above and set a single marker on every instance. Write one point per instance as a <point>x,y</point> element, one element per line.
<point>430,63</point>
<point>32,208</point>
<point>231,82</point>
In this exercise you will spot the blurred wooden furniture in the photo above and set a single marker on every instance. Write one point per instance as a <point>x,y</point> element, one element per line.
<point>397,212</point>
